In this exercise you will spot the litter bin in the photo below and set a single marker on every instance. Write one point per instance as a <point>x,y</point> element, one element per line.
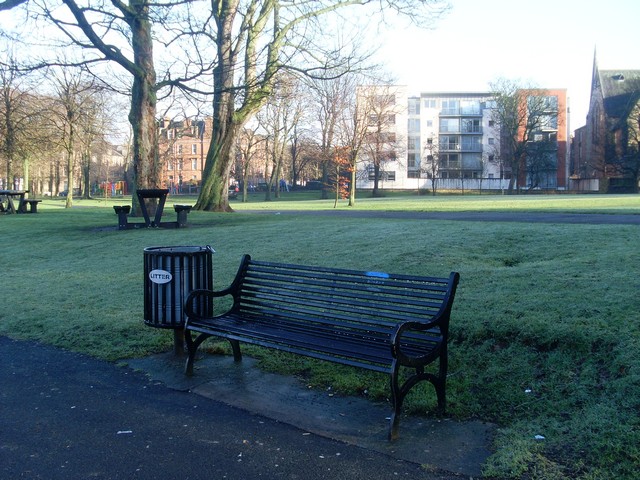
<point>170,274</point>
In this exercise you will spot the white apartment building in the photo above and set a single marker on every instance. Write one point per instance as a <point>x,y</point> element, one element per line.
<point>446,136</point>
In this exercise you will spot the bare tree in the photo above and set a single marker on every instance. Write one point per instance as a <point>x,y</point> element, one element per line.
<point>126,34</point>
<point>520,114</point>
<point>278,119</point>
<point>93,128</point>
<point>430,163</point>
<point>249,149</point>
<point>75,106</point>
<point>354,127</point>
<point>302,151</point>
<point>15,111</point>
<point>9,4</point>
<point>382,143</point>
<point>25,136</point>
<point>340,176</point>
<point>254,40</point>
<point>331,101</point>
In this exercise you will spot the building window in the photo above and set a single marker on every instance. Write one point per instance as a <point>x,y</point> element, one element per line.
<point>550,102</point>
<point>549,121</point>
<point>472,161</point>
<point>413,174</point>
<point>179,149</point>
<point>450,107</point>
<point>413,142</point>
<point>470,107</point>
<point>384,175</point>
<point>449,142</point>
<point>384,119</point>
<point>194,164</point>
<point>414,106</point>
<point>449,125</point>
<point>471,125</point>
<point>451,160</point>
<point>387,137</point>
<point>194,148</point>
<point>429,103</point>
<point>414,125</point>
<point>492,141</point>
<point>386,100</point>
<point>472,143</point>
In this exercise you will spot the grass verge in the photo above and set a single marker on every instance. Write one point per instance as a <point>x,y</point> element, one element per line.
<point>545,328</point>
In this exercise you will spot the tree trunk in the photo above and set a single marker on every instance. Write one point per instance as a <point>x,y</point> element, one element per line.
<point>213,195</point>
<point>25,174</point>
<point>376,180</point>
<point>142,116</point>
<point>70,161</point>
<point>215,177</point>
<point>324,194</point>
<point>352,189</point>
<point>86,175</point>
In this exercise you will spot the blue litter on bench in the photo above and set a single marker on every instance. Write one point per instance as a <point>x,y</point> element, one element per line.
<point>377,274</point>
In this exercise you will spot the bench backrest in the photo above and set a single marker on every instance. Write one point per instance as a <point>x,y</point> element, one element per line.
<point>374,301</point>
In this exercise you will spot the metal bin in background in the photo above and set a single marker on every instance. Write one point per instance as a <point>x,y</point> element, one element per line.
<point>170,274</point>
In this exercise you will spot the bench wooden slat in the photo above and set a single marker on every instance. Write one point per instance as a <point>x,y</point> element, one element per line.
<point>369,352</point>
<point>349,281</point>
<point>354,305</point>
<point>372,320</point>
<point>399,296</point>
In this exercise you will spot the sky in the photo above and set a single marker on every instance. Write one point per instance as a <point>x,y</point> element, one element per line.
<point>544,43</point>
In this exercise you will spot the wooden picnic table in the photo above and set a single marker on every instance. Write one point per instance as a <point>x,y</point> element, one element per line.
<point>150,193</point>
<point>8,196</point>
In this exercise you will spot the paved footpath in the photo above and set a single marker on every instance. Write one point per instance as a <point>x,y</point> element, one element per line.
<point>68,416</point>
<point>488,216</point>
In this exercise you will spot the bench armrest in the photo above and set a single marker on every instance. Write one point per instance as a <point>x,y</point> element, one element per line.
<point>199,303</point>
<point>439,338</point>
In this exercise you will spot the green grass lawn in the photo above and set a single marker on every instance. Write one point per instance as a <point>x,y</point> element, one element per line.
<point>545,333</point>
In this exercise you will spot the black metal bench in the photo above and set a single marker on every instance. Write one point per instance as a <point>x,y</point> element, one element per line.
<point>372,320</point>
<point>28,205</point>
<point>123,212</point>
<point>182,211</point>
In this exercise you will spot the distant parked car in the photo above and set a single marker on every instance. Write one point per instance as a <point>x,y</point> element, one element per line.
<point>76,192</point>
<point>314,185</point>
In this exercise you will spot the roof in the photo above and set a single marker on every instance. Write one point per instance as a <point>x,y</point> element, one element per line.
<point>619,87</point>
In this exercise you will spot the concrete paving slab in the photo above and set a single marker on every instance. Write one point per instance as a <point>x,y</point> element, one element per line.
<point>457,447</point>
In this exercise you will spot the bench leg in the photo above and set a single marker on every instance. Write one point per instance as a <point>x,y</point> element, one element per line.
<point>123,221</point>
<point>397,397</point>
<point>182,218</point>
<point>192,348</point>
<point>235,346</point>
<point>399,392</point>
